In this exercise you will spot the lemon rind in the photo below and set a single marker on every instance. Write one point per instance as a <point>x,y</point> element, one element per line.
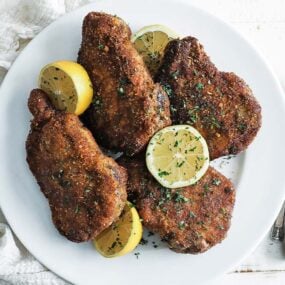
<point>153,28</point>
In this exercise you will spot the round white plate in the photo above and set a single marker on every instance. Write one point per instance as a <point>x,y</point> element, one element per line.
<point>258,174</point>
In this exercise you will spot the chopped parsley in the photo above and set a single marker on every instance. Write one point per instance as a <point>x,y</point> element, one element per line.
<point>199,86</point>
<point>154,244</point>
<point>122,83</point>
<point>233,149</point>
<point>223,211</point>
<point>242,127</point>
<point>219,91</point>
<point>64,183</point>
<point>120,91</point>
<point>175,74</point>
<point>136,254</point>
<point>212,121</point>
<point>207,189</point>
<point>163,173</point>
<point>216,181</point>
<point>181,225</point>
<point>179,198</point>
<point>143,241</point>
<point>60,173</point>
<point>195,72</point>
<point>180,164</point>
<point>167,88</point>
<point>165,196</point>
<point>193,114</point>
<point>192,149</point>
<point>101,46</point>
<point>192,215</point>
<point>97,102</point>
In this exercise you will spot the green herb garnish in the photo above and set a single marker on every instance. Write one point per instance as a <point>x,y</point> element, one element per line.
<point>101,46</point>
<point>180,164</point>
<point>175,74</point>
<point>216,181</point>
<point>163,173</point>
<point>178,198</point>
<point>181,225</point>
<point>199,86</point>
<point>137,254</point>
<point>167,88</point>
<point>193,114</point>
<point>242,127</point>
<point>120,91</point>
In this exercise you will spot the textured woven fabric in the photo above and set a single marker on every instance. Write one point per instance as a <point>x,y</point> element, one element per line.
<point>21,20</point>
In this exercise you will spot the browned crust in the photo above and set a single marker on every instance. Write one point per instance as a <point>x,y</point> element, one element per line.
<point>190,219</point>
<point>219,104</point>
<point>128,108</point>
<point>86,190</point>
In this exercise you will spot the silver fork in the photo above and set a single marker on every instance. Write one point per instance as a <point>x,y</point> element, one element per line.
<point>277,232</point>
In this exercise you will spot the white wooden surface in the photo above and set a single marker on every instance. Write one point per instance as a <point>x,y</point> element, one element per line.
<point>263,23</point>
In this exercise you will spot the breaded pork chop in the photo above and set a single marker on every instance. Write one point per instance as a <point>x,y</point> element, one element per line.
<point>190,219</point>
<point>86,190</point>
<point>128,108</point>
<point>218,104</point>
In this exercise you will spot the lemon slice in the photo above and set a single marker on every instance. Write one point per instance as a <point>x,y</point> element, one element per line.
<point>67,85</point>
<point>177,156</point>
<point>123,236</point>
<point>150,42</point>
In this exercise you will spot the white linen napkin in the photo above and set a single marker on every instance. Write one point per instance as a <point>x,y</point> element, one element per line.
<point>18,266</point>
<point>20,21</point>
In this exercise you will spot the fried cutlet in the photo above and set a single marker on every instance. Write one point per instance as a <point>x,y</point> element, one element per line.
<point>86,190</point>
<point>128,108</point>
<point>220,105</point>
<point>190,219</point>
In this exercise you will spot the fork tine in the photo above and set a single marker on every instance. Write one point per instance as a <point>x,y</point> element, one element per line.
<point>277,232</point>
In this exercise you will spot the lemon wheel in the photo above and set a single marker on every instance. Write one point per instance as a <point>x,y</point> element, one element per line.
<point>150,42</point>
<point>177,156</point>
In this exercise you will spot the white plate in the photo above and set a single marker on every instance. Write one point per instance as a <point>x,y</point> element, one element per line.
<point>258,174</point>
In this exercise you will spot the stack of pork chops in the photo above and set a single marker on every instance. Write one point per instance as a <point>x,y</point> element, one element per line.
<point>87,190</point>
